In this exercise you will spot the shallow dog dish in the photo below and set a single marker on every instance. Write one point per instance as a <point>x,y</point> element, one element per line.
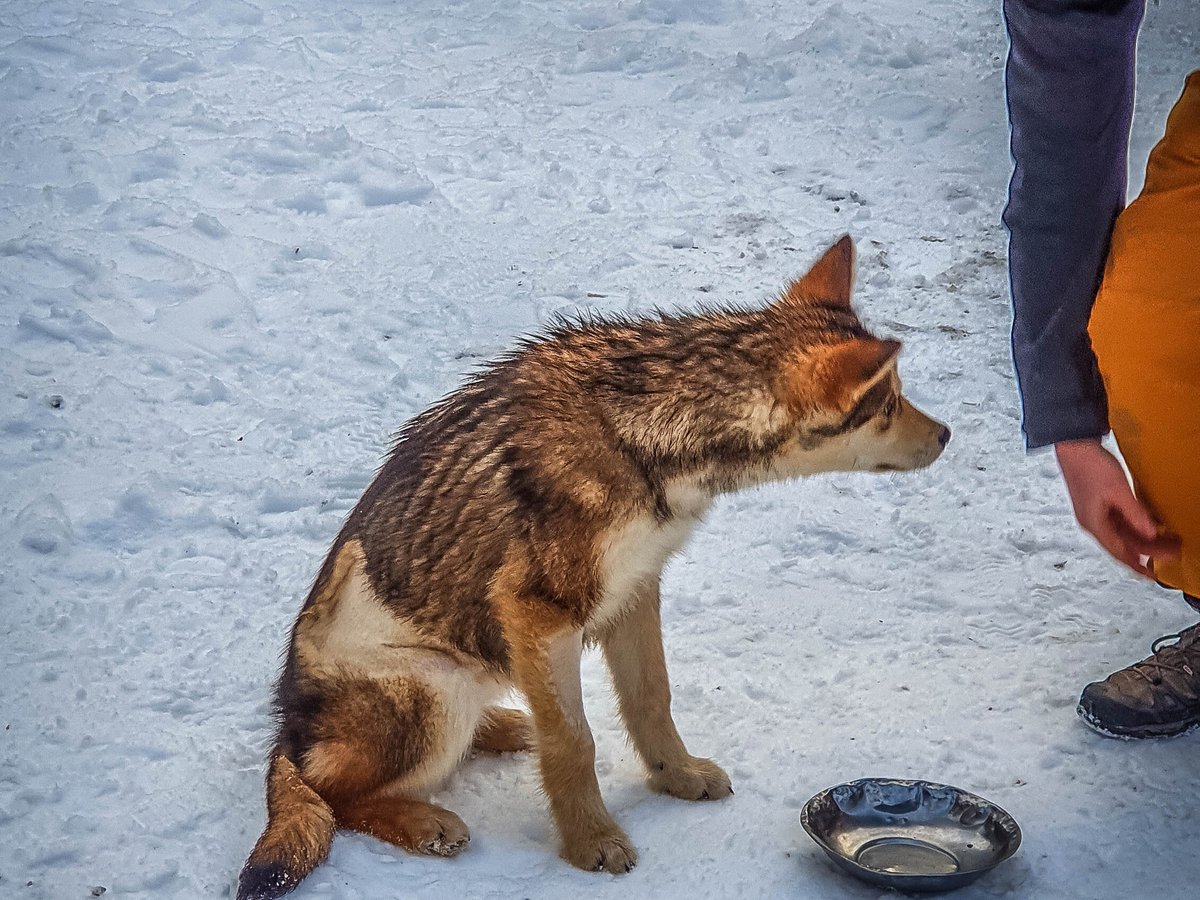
<point>910,835</point>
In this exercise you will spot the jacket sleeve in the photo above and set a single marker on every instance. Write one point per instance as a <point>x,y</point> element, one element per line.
<point>1069,86</point>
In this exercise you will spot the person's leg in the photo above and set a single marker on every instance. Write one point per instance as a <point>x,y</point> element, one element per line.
<point>1145,330</point>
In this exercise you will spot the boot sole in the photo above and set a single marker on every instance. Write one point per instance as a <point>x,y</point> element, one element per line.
<point>1176,729</point>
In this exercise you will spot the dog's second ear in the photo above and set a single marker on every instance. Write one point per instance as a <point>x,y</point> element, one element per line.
<point>830,279</point>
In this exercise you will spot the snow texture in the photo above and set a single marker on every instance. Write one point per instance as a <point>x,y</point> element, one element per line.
<point>242,241</point>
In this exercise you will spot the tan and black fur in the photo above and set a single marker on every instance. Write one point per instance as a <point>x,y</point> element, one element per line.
<point>529,514</point>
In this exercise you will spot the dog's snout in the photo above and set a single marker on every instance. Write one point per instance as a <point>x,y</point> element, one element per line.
<point>944,435</point>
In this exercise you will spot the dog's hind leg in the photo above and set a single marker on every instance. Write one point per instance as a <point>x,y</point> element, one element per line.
<point>414,825</point>
<point>634,651</point>
<point>383,743</point>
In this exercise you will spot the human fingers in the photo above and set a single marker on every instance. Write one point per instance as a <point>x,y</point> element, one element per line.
<point>1133,551</point>
<point>1115,536</point>
<point>1137,519</point>
<point>1129,521</point>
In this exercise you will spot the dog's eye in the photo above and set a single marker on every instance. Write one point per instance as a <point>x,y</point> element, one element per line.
<point>889,408</point>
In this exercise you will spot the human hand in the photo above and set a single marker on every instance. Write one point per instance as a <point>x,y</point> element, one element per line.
<point>1107,509</point>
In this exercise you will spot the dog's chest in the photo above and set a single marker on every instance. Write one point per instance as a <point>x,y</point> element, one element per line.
<point>632,556</point>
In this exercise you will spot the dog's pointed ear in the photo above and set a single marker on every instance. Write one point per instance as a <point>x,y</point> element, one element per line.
<point>845,372</point>
<point>830,279</point>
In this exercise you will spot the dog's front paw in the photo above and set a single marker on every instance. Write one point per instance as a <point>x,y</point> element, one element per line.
<point>602,849</point>
<point>696,779</point>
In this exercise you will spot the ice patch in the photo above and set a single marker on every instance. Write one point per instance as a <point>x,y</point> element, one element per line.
<point>393,195</point>
<point>280,498</point>
<point>80,196</point>
<point>672,12</point>
<point>918,115</point>
<point>309,202</point>
<point>226,12</point>
<point>763,81</point>
<point>73,326</point>
<point>44,526</point>
<point>209,226</point>
<point>214,390</point>
<point>169,66</point>
<point>153,165</point>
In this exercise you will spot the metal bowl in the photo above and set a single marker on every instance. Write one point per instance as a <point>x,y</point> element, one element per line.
<point>910,835</point>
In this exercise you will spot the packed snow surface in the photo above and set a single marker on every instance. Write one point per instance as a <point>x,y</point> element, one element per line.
<point>241,242</point>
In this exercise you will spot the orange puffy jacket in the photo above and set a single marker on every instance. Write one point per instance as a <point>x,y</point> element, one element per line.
<point>1145,330</point>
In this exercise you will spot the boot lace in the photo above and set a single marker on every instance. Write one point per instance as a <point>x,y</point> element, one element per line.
<point>1170,657</point>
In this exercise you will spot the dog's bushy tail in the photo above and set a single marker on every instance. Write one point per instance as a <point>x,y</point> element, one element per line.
<point>299,830</point>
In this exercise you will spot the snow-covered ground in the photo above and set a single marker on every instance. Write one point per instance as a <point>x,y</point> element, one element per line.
<point>242,241</point>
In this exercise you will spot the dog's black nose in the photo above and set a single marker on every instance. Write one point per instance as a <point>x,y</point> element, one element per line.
<point>944,436</point>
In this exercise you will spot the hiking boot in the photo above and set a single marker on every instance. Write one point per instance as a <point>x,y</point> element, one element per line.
<point>1157,697</point>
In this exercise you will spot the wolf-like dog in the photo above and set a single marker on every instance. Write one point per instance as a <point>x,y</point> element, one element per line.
<point>528,515</point>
